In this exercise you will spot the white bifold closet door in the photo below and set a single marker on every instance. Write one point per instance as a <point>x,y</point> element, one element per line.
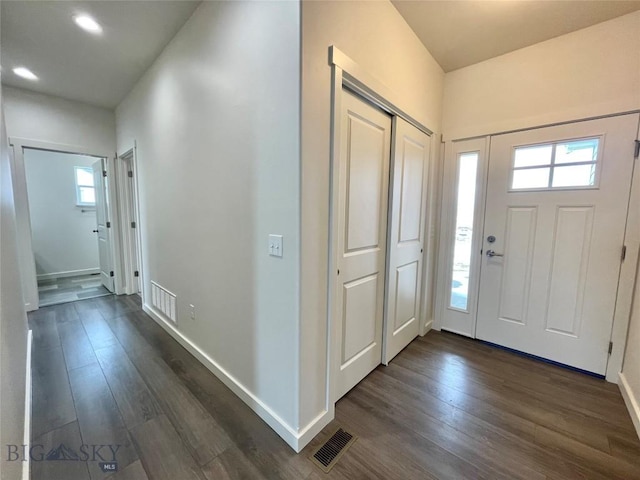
<point>408,201</point>
<point>363,183</point>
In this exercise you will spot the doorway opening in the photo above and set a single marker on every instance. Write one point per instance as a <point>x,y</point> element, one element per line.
<point>67,207</point>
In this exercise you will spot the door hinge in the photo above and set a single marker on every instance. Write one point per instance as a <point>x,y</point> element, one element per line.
<point>111,273</point>
<point>133,224</point>
<point>636,153</point>
<point>108,224</point>
<point>623,255</point>
<point>130,173</point>
<point>610,347</point>
<point>136,273</point>
<point>104,173</point>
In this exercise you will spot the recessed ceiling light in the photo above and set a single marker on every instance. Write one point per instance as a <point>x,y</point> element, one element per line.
<point>87,23</point>
<point>25,73</point>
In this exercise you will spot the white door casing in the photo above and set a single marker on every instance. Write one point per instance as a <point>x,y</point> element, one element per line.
<point>407,214</point>
<point>363,181</point>
<point>102,217</point>
<point>553,293</point>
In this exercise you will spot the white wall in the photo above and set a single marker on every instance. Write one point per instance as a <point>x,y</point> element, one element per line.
<point>51,119</point>
<point>375,36</point>
<point>594,71</point>
<point>13,321</point>
<point>630,378</point>
<point>62,235</point>
<point>216,123</point>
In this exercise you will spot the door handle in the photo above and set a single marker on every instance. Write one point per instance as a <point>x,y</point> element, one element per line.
<point>95,231</point>
<point>491,254</point>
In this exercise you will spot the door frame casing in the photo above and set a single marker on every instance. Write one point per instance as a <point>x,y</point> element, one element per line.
<point>23,217</point>
<point>129,206</point>
<point>347,73</point>
<point>628,269</point>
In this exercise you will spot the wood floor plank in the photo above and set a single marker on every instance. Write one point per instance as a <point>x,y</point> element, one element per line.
<point>96,327</point>
<point>535,410</point>
<point>586,455</point>
<point>200,432</point>
<point>163,455</point>
<point>232,464</point>
<point>45,332</point>
<point>265,449</point>
<point>519,375</point>
<point>52,403</point>
<point>135,402</point>
<point>67,435</point>
<point>99,419</point>
<point>135,471</point>
<point>116,305</point>
<point>76,346</point>
<point>446,407</point>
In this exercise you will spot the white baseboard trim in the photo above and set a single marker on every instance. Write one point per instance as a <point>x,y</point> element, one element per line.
<point>632,402</point>
<point>296,440</point>
<point>26,465</point>
<point>313,428</point>
<point>428,326</point>
<point>69,273</point>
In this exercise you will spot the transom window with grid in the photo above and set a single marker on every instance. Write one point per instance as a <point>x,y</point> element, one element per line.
<point>559,165</point>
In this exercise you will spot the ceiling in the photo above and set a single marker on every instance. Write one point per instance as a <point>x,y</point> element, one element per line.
<point>71,63</point>
<point>102,69</point>
<point>459,33</point>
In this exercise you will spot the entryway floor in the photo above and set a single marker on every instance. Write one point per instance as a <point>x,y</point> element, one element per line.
<point>104,373</point>
<point>53,291</point>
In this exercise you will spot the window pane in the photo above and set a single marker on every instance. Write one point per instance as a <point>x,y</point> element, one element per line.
<point>468,165</point>
<point>533,156</point>
<point>578,151</point>
<point>84,176</point>
<point>530,178</point>
<point>87,195</point>
<point>574,176</point>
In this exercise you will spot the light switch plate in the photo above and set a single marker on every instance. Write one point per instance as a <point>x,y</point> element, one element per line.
<point>275,245</point>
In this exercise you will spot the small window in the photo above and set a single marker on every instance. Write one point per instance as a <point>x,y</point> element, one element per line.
<point>85,190</point>
<point>570,164</point>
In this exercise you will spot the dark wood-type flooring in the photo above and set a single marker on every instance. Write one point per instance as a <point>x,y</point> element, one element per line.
<point>447,407</point>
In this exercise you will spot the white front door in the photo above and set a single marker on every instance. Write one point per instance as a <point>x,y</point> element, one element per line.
<point>102,216</point>
<point>363,182</point>
<point>406,236</point>
<point>555,216</point>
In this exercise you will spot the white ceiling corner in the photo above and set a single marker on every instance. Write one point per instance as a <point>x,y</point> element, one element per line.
<point>459,33</point>
<point>73,64</point>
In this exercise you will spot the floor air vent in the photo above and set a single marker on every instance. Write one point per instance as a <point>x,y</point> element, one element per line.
<point>164,301</point>
<point>327,455</point>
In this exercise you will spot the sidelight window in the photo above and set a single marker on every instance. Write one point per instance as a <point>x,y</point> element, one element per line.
<point>465,208</point>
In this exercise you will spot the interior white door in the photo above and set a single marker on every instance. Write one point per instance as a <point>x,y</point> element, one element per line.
<point>549,280</point>
<point>363,183</point>
<point>408,199</point>
<point>102,216</point>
